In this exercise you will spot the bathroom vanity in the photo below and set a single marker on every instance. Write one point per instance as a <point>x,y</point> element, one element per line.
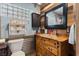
<point>51,45</point>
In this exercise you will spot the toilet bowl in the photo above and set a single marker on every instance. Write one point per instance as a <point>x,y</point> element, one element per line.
<point>19,53</point>
<point>16,46</point>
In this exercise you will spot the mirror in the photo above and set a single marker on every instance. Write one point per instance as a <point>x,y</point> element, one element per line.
<point>35,21</point>
<point>57,17</point>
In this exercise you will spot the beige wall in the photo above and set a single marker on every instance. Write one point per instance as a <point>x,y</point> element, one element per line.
<point>76,12</point>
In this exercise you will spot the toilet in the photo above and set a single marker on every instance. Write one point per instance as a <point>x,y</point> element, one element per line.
<point>16,46</point>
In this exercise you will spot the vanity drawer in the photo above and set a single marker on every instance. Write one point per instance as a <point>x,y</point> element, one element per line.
<point>38,40</point>
<point>52,50</point>
<point>38,37</point>
<point>48,53</point>
<point>51,42</point>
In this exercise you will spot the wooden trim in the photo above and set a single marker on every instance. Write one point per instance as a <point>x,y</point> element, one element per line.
<point>52,5</point>
<point>44,5</point>
<point>48,7</point>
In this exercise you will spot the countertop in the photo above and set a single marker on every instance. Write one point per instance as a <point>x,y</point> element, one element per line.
<point>60,38</point>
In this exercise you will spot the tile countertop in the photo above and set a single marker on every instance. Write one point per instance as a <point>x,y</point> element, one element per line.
<point>60,38</point>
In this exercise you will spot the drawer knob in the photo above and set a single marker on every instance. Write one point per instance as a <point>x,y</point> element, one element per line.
<point>57,46</point>
<point>48,48</point>
<point>51,49</point>
<point>57,42</point>
<point>54,43</point>
<point>44,40</point>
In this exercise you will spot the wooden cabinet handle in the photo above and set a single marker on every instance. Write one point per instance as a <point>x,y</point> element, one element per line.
<point>57,46</point>
<point>48,48</point>
<point>54,43</point>
<point>57,43</point>
<point>44,40</point>
<point>51,49</point>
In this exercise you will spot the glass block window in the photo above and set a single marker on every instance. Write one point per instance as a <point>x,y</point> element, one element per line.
<point>13,11</point>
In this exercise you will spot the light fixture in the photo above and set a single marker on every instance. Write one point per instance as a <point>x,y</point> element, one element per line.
<point>39,3</point>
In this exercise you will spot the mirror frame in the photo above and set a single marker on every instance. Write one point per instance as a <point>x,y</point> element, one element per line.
<point>62,26</point>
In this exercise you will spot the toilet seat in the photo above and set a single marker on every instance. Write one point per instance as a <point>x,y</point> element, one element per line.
<point>19,53</point>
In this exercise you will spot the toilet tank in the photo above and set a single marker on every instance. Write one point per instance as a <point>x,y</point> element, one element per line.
<point>15,45</point>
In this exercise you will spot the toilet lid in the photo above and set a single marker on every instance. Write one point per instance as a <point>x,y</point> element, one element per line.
<point>19,53</point>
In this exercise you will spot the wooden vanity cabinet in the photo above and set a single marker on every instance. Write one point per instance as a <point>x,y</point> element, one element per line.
<point>50,47</point>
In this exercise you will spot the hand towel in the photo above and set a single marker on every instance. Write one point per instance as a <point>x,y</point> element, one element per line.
<point>72,34</point>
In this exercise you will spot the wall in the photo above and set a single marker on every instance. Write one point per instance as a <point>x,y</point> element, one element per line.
<point>32,8</point>
<point>28,42</point>
<point>5,20</point>
<point>76,14</point>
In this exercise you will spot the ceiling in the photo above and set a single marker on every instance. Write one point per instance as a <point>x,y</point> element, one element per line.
<point>43,5</point>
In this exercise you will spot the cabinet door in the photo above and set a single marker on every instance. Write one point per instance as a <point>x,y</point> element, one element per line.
<point>38,39</point>
<point>38,45</point>
<point>39,52</point>
<point>43,50</point>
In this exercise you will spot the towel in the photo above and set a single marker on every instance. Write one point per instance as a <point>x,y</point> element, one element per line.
<point>72,34</point>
